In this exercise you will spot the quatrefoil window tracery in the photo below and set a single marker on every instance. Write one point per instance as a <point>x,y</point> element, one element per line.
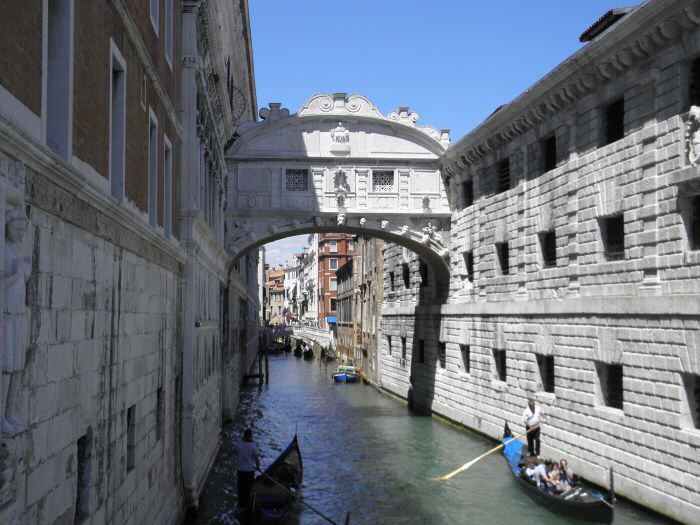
<point>382,181</point>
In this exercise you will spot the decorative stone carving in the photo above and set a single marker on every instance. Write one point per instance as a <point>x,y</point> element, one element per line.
<point>692,135</point>
<point>340,140</point>
<point>341,186</point>
<point>383,224</point>
<point>430,234</point>
<point>17,271</point>
<point>426,204</point>
<point>341,219</point>
<point>362,221</point>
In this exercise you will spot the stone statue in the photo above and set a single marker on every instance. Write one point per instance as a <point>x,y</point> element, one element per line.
<point>17,271</point>
<point>692,135</point>
<point>341,219</point>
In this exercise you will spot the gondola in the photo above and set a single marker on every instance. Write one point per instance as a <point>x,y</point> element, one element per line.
<point>308,353</point>
<point>274,492</point>
<point>580,503</point>
<point>298,352</point>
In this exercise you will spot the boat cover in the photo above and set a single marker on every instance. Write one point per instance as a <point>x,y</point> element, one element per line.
<point>513,451</point>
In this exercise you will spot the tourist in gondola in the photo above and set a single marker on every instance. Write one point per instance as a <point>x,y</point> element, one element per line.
<point>565,472</point>
<point>248,460</point>
<point>536,472</point>
<point>533,417</point>
<point>557,484</point>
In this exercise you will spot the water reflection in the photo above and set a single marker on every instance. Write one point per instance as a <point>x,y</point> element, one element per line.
<point>364,452</point>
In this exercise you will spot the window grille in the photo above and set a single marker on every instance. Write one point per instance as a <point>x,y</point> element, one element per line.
<point>423,268</point>
<point>613,234</point>
<point>499,358</point>
<point>695,83</point>
<point>695,222</point>
<point>382,181</point>
<point>403,348</point>
<point>503,257</point>
<point>545,363</point>
<point>692,389</point>
<point>549,249</point>
<point>466,357</point>
<point>503,175</point>
<point>405,274</point>
<point>614,121</point>
<point>469,265</point>
<point>549,146</point>
<point>610,377</point>
<point>468,192</point>
<point>421,351</point>
<point>297,180</point>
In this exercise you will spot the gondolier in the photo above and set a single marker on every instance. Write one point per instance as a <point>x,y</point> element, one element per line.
<point>248,461</point>
<point>533,417</point>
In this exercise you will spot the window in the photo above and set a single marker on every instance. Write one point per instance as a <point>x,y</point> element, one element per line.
<point>159,413</point>
<point>545,364</point>
<point>117,126</point>
<point>405,274</point>
<point>334,304</point>
<point>167,188</point>
<point>58,77</point>
<point>548,242</point>
<point>695,222</point>
<point>610,377</point>
<point>333,247</point>
<point>503,173</point>
<point>297,180</point>
<point>469,265</point>
<point>466,358</point>
<point>382,181</point>
<point>351,245</point>
<point>442,354</point>
<point>169,31</point>
<point>388,343</point>
<point>154,14</point>
<point>84,462</point>
<point>391,281</point>
<point>612,231</point>
<point>423,270</point>
<point>614,121</point>
<point>549,150</point>
<point>332,284</point>
<point>333,264</point>
<point>503,256</point>
<point>421,351</point>
<point>499,359</point>
<point>130,438</point>
<point>403,348</point>
<point>468,193</point>
<point>152,168</point>
<point>692,391</point>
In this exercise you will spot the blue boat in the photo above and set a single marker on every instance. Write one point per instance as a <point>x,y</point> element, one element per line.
<point>345,374</point>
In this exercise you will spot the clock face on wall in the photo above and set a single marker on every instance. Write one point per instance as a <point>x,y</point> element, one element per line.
<point>237,104</point>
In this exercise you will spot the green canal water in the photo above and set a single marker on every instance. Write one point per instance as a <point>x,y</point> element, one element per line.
<point>366,453</point>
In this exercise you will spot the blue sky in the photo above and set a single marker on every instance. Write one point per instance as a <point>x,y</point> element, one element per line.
<point>452,61</point>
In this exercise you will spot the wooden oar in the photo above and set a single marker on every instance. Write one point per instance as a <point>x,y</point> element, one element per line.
<point>473,461</point>
<point>299,498</point>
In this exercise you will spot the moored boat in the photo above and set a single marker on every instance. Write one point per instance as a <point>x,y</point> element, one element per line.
<point>298,352</point>
<point>579,503</point>
<point>345,374</point>
<point>275,491</point>
<point>308,353</point>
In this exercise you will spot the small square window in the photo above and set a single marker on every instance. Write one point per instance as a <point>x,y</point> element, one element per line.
<point>421,351</point>
<point>382,181</point>
<point>296,180</point>
<point>466,358</point>
<point>333,247</point>
<point>468,192</point>
<point>442,354</point>
<point>334,304</point>
<point>499,359</point>
<point>545,364</point>
<point>423,268</point>
<point>612,230</point>
<point>469,265</point>
<point>332,264</point>
<point>549,151</point>
<point>614,121</point>
<point>406,275</point>
<point>351,245</point>
<point>503,172</point>
<point>503,256</point>
<point>611,387</point>
<point>548,241</point>
<point>691,382</point>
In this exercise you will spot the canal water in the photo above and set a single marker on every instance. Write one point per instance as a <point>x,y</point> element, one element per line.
<point>366,453</point>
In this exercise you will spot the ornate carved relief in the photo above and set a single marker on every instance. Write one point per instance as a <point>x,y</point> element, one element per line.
<point>692,136</point>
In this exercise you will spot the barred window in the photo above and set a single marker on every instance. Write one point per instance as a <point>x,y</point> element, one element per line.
<point>382,181</point>
<point>503,256</point>
<point>503,175</point>
<point>695,222</point>
<point>549,147</point>
<point>610,377</point>
<point>466,358</point>
<point>545,364</point>
<point>695,83</point>
<point>612,231</point>
<point>614,121</point>
<point>468,192</point>
<point>549,249</point>
<point>442,354</point>
<point>469,265</point>
<point>692,390</point>
<point>297,180</point>
<point>499,359</point>
<point>403,348</point>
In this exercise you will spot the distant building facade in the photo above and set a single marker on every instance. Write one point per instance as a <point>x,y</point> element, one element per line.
<point>334,250</point>
<point>274,284</point>
<point>345,327</point>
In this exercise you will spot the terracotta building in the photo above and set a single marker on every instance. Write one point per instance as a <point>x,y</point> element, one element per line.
<point>274,284</point>
<point>334,250</point>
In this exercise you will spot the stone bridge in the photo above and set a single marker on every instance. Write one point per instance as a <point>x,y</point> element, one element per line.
<point>317,335</point>
<point>339,165</point>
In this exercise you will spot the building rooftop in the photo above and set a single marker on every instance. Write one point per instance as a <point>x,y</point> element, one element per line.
<point>604,22</point>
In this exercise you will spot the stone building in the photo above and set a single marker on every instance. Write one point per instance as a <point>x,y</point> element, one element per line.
<point>345,327</point>
<point>291,287</point>
<point>125,324</point>
<point>368,283</point>
<point>308,282</point>
<point>334,250</point>
<point>575,267</point>
<point>274,284</point>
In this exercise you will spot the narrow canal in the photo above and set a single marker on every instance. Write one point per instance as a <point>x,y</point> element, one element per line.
<point>366,453</point>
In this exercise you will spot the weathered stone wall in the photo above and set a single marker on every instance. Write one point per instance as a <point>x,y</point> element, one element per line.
<point>586,310</point>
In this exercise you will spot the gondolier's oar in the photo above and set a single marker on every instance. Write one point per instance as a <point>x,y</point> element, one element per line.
<point>473,461</point>
<point>297,497</point>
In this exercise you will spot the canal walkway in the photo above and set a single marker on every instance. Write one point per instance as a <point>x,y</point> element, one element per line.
<point>365,452</point>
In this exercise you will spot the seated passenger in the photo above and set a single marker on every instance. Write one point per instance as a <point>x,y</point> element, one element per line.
<point>565,472</point>
<point>536,472</point>
<point>557,485</point>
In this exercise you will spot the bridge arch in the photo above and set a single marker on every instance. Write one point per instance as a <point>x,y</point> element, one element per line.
<point>339,166</point>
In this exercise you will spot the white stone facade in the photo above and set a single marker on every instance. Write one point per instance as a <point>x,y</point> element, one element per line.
<point>637,312</point>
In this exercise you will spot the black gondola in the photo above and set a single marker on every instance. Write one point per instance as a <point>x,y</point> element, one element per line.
<point>275,491</point>
<point>579,503</point>
<point>298,352</point>
<point>308,353</point>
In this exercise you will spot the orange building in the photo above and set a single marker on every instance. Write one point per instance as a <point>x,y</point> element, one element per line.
<point>334,250</point>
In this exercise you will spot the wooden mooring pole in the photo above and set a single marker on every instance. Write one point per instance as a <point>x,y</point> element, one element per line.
<point>267,367</point>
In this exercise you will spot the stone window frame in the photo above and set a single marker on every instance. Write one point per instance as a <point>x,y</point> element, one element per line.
<point>604,396</point>
<point>546,376</point>
<point>545,143</point>
<point>466,354</point>
<point>392,189</point>
<point>499,357</point>
<point>502,257</point>
<point>332,260</point>
<point>468,261</point>
<point>604,223</point>
<point>291,186</point>
<point>545,237</point>
<point>690,401</point>
<point>605,113</point>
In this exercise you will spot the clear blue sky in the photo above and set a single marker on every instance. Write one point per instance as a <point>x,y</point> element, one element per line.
<point>451,61</point>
